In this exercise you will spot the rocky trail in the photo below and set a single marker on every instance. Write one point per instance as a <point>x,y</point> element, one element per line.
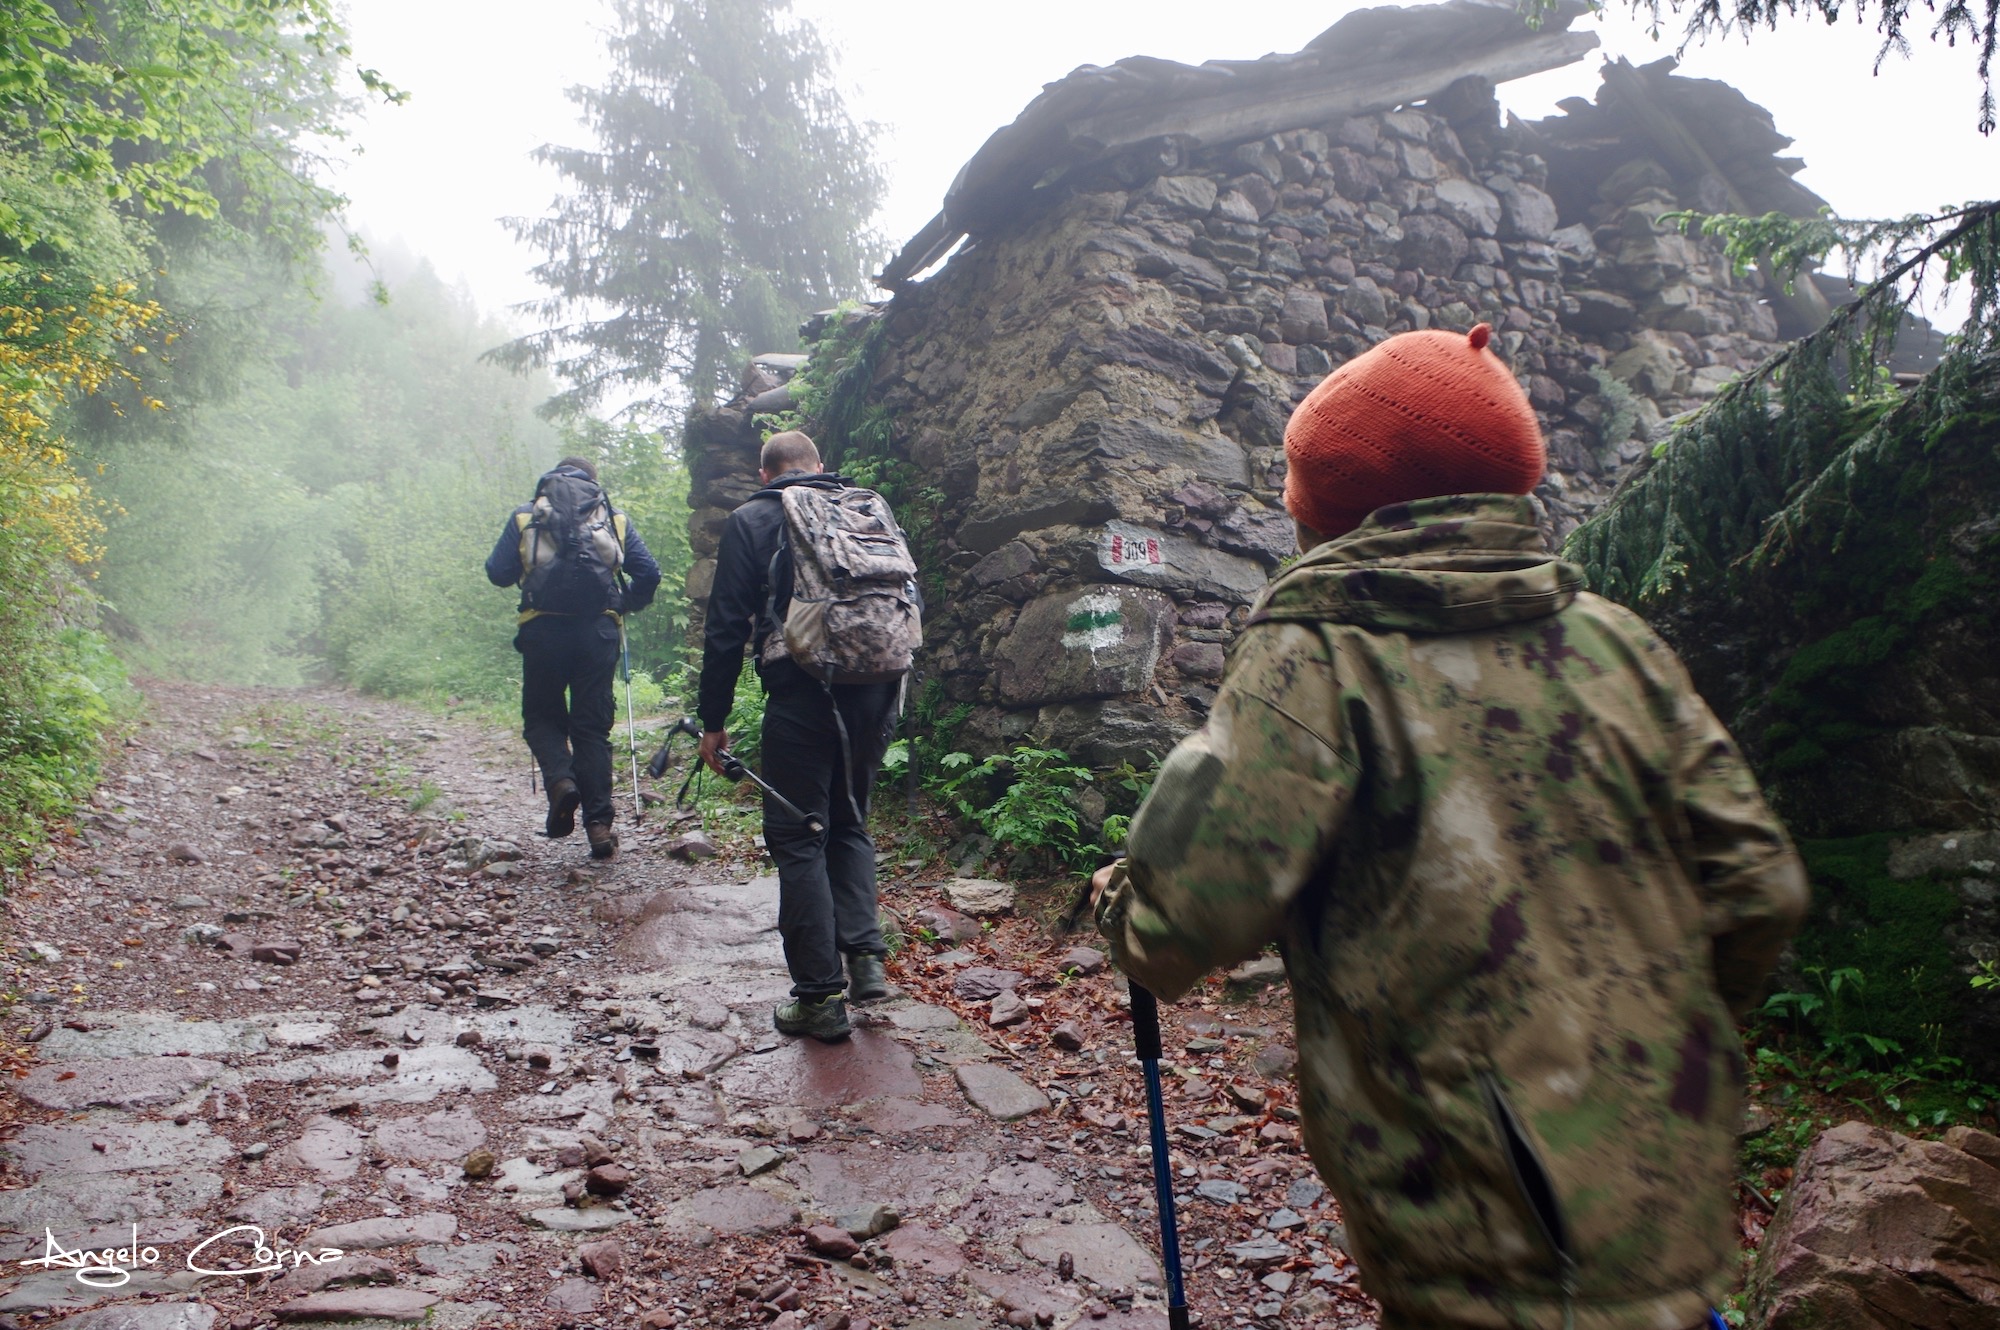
<point>306,977</point>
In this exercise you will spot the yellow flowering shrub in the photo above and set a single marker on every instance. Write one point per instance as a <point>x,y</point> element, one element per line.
<point>51,352</point>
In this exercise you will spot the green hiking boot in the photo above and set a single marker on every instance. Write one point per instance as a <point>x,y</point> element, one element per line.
<point>866,981</point>
<point>825,1020</point>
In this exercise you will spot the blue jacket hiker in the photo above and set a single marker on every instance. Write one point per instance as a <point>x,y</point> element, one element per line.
<point>581,567</point>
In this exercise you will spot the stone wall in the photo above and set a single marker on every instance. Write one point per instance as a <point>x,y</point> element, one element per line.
<point>1097,393</point>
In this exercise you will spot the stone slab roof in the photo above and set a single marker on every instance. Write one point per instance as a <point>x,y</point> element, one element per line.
<point>1371,60</point>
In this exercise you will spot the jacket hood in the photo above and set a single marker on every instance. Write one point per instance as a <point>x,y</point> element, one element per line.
<point>1449,565</point>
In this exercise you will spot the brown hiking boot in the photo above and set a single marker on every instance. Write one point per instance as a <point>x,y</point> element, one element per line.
<point>563,800</point>
<point>603,840</point>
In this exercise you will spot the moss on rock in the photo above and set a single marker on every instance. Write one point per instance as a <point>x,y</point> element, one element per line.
<point>1895,932</point>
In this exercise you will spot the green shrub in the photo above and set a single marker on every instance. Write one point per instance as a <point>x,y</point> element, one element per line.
<point>61,695</point>
<point>1025,801</point>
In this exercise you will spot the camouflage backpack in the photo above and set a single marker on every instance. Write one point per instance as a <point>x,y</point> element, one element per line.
<point>855,616</point>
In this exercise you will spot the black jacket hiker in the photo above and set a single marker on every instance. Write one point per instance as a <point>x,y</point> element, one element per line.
<point>826,884</point>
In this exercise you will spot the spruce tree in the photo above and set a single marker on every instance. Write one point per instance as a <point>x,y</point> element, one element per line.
<point>1974,24</point>
<point>728,196</point>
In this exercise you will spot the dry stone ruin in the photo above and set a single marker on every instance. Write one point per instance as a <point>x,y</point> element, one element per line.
<point>1146,271</point>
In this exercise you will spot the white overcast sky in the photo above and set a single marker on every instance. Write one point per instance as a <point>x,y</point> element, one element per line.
<point>487,81</point>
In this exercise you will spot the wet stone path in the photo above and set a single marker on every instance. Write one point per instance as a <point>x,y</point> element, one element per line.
<point>307,979</point>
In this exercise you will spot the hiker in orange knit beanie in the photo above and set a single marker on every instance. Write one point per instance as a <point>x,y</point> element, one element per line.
<point>1422,415</point>
<point>1523,883</point>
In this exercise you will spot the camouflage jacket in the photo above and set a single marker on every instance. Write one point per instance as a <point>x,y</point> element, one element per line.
<point>1521,879</point>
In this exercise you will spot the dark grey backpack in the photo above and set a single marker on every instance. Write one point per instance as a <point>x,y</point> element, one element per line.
<point>572,547</point>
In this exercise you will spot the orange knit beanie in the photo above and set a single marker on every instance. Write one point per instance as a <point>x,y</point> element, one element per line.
<point>1422,415</point>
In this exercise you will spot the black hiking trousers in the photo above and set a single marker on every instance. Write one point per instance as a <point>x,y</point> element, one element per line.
<point>826,884</point>
<point>567,665</point>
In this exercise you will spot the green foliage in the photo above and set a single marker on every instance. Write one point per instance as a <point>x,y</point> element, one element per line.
<point>1621,408</point>
<point>1988,976</point>
<point>191,107</point>
<point>442,630</point>
<point>330,515</point>
<point>1780,451</point>
<point>726,197</point>
<point>116,119</point>
<point>1872,954</point>
<point>1788,243</point>
<point>1797,1086</point>
<point>1836,1006</point>
<point>931,731</point>
<point>1132,786</point>
<point>61,695</point>
<point>647,478</point>
<point>831,392</point>
<point>1805,486</point>
<point>1024,800</point>
<point>426,795</point>
<point>1819,696</point>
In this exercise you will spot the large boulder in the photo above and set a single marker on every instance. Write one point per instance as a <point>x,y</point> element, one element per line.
<point>1881,1230</point>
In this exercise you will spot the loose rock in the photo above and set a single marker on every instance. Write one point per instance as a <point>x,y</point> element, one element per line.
<point>979,896</point>
<point>1881,1229</point>
<point>831,1242</point>
<point>608,1180</point>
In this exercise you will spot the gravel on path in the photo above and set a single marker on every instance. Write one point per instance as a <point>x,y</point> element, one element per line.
<point>308,979</point>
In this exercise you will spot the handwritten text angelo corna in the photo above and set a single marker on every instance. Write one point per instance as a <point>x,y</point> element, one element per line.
<point>110,1267</point>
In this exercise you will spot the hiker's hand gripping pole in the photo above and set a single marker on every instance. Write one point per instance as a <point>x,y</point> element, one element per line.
<point>734,770</point>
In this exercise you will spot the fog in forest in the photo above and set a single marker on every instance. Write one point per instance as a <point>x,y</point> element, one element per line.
<point>1465,547</point>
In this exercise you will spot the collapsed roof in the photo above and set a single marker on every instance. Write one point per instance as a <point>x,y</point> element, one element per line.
<point>1372,60</point>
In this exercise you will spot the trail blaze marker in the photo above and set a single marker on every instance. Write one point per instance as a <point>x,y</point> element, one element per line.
<point>1093,622</point>
<point>1129,551</point>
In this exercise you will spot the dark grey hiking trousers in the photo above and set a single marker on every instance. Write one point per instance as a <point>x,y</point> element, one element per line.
<point>567,665</point>
<point>826,884</point>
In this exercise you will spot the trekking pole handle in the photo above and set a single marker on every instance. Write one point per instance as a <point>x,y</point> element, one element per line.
<point>733,769</point>
<point>1145,1021</point>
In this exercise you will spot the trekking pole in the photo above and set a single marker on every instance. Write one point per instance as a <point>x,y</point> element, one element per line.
<point>631,732</point>
<point>1146,1034</point>
<point>733,769</point>
<point>909,752</point>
